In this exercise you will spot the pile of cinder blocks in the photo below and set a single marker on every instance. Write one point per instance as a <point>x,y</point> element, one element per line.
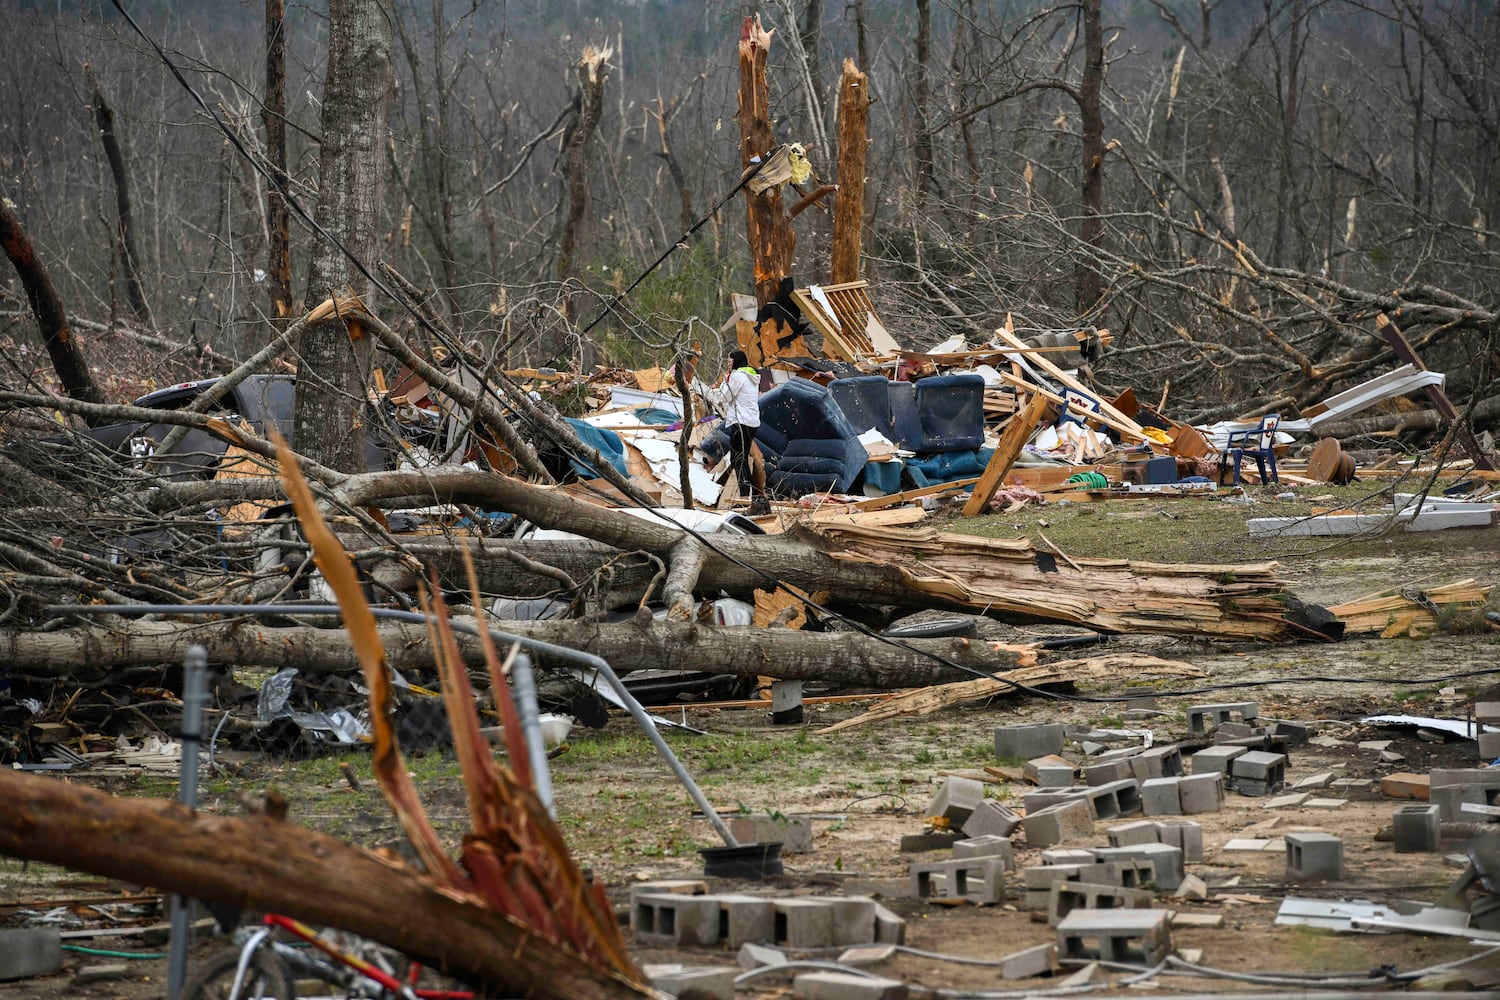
<point>1452,789</point>
<point>684,913</point>
<point>1249,772</point>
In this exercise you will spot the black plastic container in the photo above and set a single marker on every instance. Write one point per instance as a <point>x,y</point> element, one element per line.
<point>749,861</point>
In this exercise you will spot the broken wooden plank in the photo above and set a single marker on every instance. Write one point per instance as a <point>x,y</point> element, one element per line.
<point>877,503</point>
<point>1017,432</point>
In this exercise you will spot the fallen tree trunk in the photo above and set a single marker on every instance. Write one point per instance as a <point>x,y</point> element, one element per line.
<point>267,864</point>
<point>848,658</point>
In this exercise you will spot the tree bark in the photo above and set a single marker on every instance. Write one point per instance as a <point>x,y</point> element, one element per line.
<point>51,319</point>
<point>772,241</point>
<point>921,133</point>
<point>639,644</point>
<point>273,115</point>
<point>268,864</point>
<point>1091,228</point>
<point>104,118</point>
<point>333,374</point>
<point>591,77</point>
<point>849,203</point>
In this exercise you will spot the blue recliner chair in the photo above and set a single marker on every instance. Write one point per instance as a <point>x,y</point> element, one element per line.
<point>807,442</point>
<point>951,408</point>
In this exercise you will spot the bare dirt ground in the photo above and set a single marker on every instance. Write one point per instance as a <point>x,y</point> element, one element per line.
<point>629,822</point>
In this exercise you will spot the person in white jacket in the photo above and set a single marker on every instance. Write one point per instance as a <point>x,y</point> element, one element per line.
<point>736,397</point>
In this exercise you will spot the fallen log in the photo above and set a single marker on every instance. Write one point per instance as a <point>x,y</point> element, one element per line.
<point>790,654</point>
<point>261,863</point>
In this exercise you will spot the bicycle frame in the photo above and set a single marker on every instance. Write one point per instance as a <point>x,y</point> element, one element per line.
<point>377,976</point>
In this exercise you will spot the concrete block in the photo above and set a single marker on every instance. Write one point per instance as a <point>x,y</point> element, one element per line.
<point>867,956</point>
<point>890,928</point>
<point>1137,937</point>
<point>1215,759</point>
<point>1314,856</point>
<point>1205,718</point>
<point>746,920</point>
<point>1482,777</point>
<point>803,923</point>
<point>89,974</point>
<point>1406,785</point>
<point>681,886</point>
<point>1192,887</point>
<point>30,951</point>
<point>1489,746</point>
<point>1055,776</point>
<point>1065,821</point>
<point>1116,798</point>
<point>1183,833</point>
<point>754,956</point>
<point>1110,770</point>
<point>853,918</point>
<point>1356,789</point>
<point>693,982</point>
<point>1069,896</point>
<point>1235,731</point>
<point>1256,772</point>
<point>1164,761</point>
<point>1487,711</point>
<point>1030,963</point>
<point>956,800</point>
<point>885,888</point>
<point>1320,780</point>
<point>674,918</point>
<point>1142,831</point>
<point>1166,861</point>
<point>933,840</point>
<point>1086,976</point>
<point>1292,734</point>
<point>1037,880</point>
<point>1027,741</point>
<point>1032,769</point>
<point>1044,798</point>
<point>1289,801</point>
<point>1160,797</point>
<point>1068,856</point>
<point>1450,798</point>
<point>1418,829</point>
<point>793,833</point>
<point>987,847</point>
<point>979,880</point>
<point>1324,802</point>
<point>821,985</point>
<point>1201,793</point>
<point>989,819</point>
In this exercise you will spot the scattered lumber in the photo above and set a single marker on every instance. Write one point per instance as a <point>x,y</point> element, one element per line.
<point>1012,440</point>
<point>933,699</point>
<point>1406,611</point>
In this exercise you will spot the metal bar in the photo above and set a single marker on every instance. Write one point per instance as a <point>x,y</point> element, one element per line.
<point>194,691</point>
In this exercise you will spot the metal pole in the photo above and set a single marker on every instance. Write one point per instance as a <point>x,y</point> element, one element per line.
<point>531,728</point>
<point>194,689</point>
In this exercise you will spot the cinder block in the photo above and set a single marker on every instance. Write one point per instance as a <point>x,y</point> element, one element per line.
<point>1068,856</point>
<point>1215,759</point>
<point>693,982</point>
<point>1110,770</point>
<point>1235,731</point>
<point>1028,741</point>
<point>1487,711</point>
<point>681,886</point>
<point>1031,770</point>
<point>1137,937</point>
<point>1038,880</point>
<point>1142,831</point>
<point>754,956</point>
<point>665,917</point>
<point>1489,746</point>
<point>793,833</point>
<point>1360,789</point>
<point>1166,861</point>
<point>1256,772</point>
<point>987,847</point>
<point>1054,824</point>
<point>979,880</point>
<point>1044,798</point>
<point>821,985</point>
<point>1069,896</point>
<point>1030,963</point>
<point>746,920</point>
<point>1449,800</point>
<point>853,918</point>
<point>1160,797</point>
<point>1117,798</point>
<point>1055,776</point>
<point>1482,777</point>
<point>1201,793</point>
<point>803,923</point>
<point>990,818</point>
<point>889,927</point>
<point>1183,833</point>
<point>1204,718</point>
<point>1163,761</point>
<point>1406,785</point>
<point>867,956</point>
<point>30,951</point>
<point>1314,856</point>
<point>1292,734</point>
<point>1418,829</point>
<point>956,800</point>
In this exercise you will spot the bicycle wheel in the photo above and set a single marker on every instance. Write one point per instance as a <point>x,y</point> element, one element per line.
<point>267,978</point>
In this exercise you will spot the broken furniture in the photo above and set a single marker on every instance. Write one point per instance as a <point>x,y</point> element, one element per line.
<point>1259,443</point>
<point>807,441</point>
